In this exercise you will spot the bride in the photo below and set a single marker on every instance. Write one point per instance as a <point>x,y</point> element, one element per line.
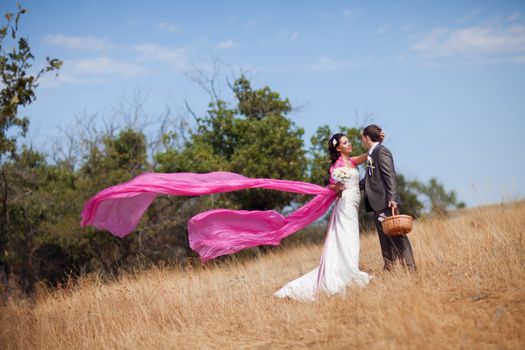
<point>339,265</point>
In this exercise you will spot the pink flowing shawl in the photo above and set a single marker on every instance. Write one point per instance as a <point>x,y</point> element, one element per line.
<point>119,208</point>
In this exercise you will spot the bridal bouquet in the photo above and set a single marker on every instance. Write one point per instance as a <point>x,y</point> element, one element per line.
<point>342,174</point>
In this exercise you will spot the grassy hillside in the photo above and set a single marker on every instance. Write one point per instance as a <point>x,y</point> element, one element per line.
<point>469,293</point>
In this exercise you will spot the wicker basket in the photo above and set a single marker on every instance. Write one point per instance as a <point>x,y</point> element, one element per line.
<point>397,225</point>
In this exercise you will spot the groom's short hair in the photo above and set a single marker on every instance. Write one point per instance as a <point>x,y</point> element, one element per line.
<point>373,131</point>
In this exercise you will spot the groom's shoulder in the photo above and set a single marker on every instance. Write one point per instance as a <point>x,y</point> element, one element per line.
<point>383,149</point>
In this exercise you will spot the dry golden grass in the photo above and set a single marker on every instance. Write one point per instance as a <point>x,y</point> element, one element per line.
<point>469,294</point>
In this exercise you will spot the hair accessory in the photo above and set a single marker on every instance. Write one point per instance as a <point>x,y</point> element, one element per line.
<point>334,141</point>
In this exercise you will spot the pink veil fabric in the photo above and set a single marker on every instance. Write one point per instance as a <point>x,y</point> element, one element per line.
<point>119,208</point>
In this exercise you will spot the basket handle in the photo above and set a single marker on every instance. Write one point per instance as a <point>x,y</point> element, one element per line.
<point>394,211</point>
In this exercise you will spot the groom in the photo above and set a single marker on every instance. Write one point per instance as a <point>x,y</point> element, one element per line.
<point>380,186</point>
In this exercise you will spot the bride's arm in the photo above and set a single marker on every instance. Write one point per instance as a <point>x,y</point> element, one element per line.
<point>359,159</point>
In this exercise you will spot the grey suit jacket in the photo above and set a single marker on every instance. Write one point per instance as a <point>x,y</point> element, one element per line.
<point>380,183</point>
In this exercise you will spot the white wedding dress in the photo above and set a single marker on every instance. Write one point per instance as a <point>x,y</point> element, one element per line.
<point>339,265</point>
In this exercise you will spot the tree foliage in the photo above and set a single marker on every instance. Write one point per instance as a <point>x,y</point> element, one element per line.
<point>437,198</point>
<point>19,176</point>
<point>18,86</point>
<point>254,138</point>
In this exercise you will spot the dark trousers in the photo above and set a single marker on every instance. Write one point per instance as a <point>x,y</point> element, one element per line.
<point>394,247</point>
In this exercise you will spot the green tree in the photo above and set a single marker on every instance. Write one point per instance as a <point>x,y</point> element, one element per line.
<point>44,241</point>
<point>408,191</point>
<point>114,159</point>
<point>120,157</point>
<point>17,90</point>
<point>437,198</point>
<point>255,138</point>
<point>18,86</point>
<point>258,104</point>
<point>43,207</point>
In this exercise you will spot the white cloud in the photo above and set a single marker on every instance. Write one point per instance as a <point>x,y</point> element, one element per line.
<point>105,66</point>
<point>228,44</point>
<point>78,42</point>
<point>470,16</point>
<point>251,24</point>
<point>295,35</point>
<point>383,29</point>
<point>169,27</point>
<point>328,64</point>
<point>519,59</point>
<point>399,58</point>
<point>350,15</point>
<point>91,70</point>
<point>283,36</point>
<point>50,81</point>
<point>174,57</point>
<point>474,40</point>
<point>407,27</point>
<point>514,16</point>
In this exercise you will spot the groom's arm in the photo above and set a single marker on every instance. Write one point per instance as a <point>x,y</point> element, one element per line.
<point>386,166</point>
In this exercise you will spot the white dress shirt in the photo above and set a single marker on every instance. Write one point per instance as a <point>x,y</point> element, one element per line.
<point>372,148</point>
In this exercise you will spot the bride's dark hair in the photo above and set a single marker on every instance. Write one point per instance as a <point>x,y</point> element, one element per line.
<point>333,143</point>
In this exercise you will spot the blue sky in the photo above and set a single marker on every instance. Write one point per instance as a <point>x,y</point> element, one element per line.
<point>444,78</point>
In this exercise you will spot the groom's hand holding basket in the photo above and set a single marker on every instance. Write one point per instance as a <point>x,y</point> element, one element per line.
<point>397,225</point>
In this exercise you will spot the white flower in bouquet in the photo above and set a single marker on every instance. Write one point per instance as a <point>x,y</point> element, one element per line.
<point>342,175</point>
